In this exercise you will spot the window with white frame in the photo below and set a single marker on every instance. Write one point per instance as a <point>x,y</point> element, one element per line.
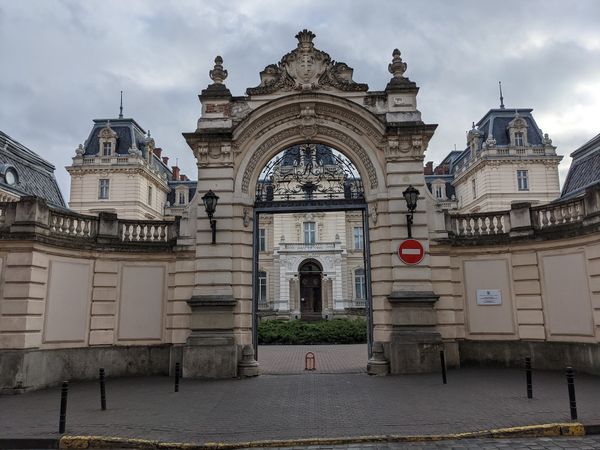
<point>439,192</point>
<point>106,149</point>
<point>103,189</point>
<point>523,180</point>
<point>474,188</point>
<point>310,232</point>
<point>262,240</point>
<point>357,233</point>
<point>360,284</point>
<point>182,198</point>
<point>519,139</point>
<point>150,195</point>
<point>262,287</point>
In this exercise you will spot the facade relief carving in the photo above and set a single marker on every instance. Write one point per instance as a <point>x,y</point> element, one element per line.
<point>306,69</point>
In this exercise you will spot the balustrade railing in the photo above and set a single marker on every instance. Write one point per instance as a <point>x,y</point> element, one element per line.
<point>557,214</point>
<point>144,231</point>
<point>72,225</point>
<point>479,224</point>
<point>308,247</point>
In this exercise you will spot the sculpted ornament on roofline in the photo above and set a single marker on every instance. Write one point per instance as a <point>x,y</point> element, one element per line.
<point>306,69</point>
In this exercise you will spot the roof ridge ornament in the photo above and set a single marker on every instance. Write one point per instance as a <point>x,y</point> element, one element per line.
<point>397,67</point>
<point>501,98</point>
<point>121,107</point>
<point>218,74</point>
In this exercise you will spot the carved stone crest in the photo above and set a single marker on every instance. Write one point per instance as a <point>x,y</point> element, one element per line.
<point>306,69</point>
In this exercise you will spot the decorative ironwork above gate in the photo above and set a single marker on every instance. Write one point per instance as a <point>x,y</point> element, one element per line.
<point>309,172</point>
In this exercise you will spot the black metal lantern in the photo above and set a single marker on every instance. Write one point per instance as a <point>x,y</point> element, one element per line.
<point>411,195</point>
<point>210,200</point>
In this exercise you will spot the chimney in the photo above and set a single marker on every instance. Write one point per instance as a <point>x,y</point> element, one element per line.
<point>175,173</point>
<point>428,168</point>
<point>165,160</point>
<point>184,178</point>
<point>158,151</point>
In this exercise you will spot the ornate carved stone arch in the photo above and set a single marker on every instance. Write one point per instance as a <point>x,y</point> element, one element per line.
<point>320,118</point>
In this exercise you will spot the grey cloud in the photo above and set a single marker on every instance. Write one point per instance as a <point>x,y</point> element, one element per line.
<point>64,62</point>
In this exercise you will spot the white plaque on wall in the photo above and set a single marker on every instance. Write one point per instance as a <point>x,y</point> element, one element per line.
<point>489,297</point>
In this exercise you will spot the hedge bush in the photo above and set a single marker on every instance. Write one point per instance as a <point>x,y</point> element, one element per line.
<point>297,332</point>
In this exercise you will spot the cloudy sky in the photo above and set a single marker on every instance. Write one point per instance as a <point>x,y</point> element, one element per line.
<point>63,63</point>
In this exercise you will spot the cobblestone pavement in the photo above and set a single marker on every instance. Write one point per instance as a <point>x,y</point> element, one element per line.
<point>587,442</point>
<point>302,406</point>
<point>287,359</point>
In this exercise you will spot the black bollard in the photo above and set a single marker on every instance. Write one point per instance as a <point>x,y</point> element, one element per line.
<point>62,420</point>
<point>177,373</point>
<point>102,390</point>
<point>528,377</point>
<point>571,386</point>
<point>443,362</point>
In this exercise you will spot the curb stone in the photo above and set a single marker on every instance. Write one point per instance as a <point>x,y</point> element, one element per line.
<point>107,442</point>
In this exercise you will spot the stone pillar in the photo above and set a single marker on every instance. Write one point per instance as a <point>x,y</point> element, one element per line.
<point>520,219</point>
<point>211,351</point>
<point>415,343</point>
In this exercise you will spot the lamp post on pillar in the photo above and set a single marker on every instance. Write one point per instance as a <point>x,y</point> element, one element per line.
<point>210,200</point>
<point>411,195</point>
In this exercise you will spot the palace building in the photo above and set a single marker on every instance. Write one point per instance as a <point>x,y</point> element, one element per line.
<point>312,202</point>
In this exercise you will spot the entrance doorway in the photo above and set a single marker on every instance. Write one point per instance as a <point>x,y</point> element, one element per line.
<point>311,293</point>
<point>311,259</point>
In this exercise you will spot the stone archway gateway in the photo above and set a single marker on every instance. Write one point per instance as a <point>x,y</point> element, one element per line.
<point>308,97</point>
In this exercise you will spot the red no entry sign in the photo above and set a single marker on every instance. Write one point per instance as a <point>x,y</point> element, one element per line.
<point>411,252</point>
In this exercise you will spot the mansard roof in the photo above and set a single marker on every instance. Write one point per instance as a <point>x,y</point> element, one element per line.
<point>585,168</point>
<point>128,131</point>
<point>35,174</point>
<point>497,120</point>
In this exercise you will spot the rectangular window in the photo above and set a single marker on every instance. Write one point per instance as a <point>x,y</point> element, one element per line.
<point>519,139</point>
<point>103,189</point>
<point>107,149</point>
<point>262,287</point>
<point>150,195</point>
<point>309,232</point>
<point>358,238</point>
<point>523,180</point>
<point>262,240</point>
<point>359,283</point>
<point>438,192</point>
<point>474,187</point>
<point>182,198</point>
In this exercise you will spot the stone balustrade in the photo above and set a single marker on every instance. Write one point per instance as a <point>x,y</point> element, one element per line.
<point>524,220</point>
<point>556,214</point>
<point>316,246</point>
<point>144,231</point>
<point>479,224</point>
<point>69,224</point>
<point>33,215</point>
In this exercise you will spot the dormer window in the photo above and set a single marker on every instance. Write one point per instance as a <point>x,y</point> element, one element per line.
<point>519,139</point>
<point>517,130</point>
<point>107,141</point>
<point>182,198</point>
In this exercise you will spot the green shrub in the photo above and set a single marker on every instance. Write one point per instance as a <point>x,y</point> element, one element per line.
<point>296,332</point>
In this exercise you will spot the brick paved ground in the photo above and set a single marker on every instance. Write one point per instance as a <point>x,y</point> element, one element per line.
<point>588,442</point>
<point>302,406</point>
<point>287,359</point>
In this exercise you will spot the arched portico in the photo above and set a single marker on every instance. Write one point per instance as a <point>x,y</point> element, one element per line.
<point>381,132</point>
